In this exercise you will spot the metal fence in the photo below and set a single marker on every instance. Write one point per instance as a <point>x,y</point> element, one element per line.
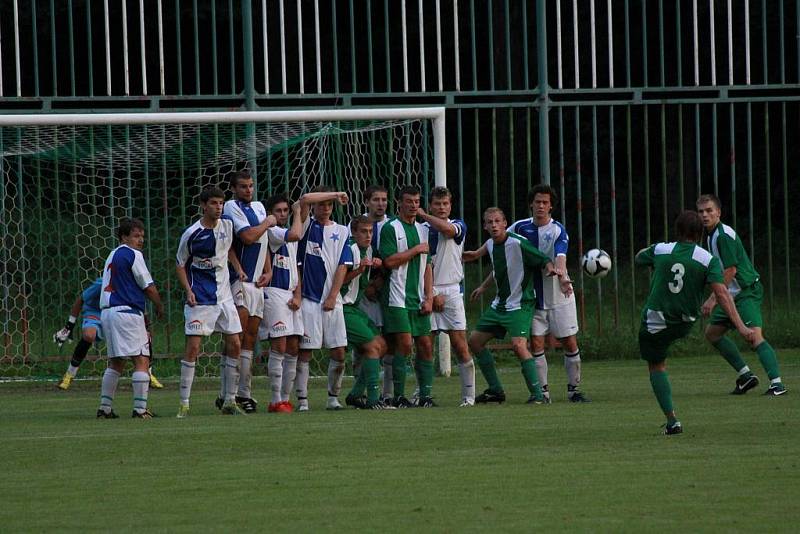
<point>631,108</point>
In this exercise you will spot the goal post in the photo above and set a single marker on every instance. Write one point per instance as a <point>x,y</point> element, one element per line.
<point>68,178</point>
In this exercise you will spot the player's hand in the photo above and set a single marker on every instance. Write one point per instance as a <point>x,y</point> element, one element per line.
<point>343,199</point>
<point>566,286</point>
<point>62,336</point>
<point>329,303</point>
<point>427,307</point>
<point>271,220</point>
<point>160,310</point>
<point>242,276</point>
<point>708,307</point>
<point>293,303</point>
<point>377,263</point>
<point>421,212</point>
<point>191,299</point>
<point>748,334</point>
<point>550,270</point>
<point>263,280</point>
<point>297,206</point>
<point>438,303</point>
<point>365,264</point>
<point>476,293</point>
<point>422,248</point>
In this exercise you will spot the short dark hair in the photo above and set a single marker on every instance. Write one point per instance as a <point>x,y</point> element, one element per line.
<point>244,174</point>
<point>440,192</point>
<point>543,189</point>
<point>128,225</point>
<point>708,197</point>
<point>689,226</point>
<point>358,221</point>
<point>408,190</point>
<point>211,192</point>
<point>372,189</point>
<point>274,200</point>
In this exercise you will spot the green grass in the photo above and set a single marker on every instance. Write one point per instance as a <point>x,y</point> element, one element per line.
<point>600,467</point>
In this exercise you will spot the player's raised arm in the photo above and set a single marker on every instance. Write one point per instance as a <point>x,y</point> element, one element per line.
<point>299,215</point>
<point>443,226</point>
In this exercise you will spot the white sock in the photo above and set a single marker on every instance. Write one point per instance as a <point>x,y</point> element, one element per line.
<point>335,374</point>
<point>301,381</point>
<point>187,377</point>
<point>222,359</point>
<point>245,373</point>
<point>231,378</point>
<point>466,371</point>
<point>72,371</point>
<point>541,368</point>
<point>108,388</point>
<point>572,364</point>
<point>289,373</point>
<point>388,375</point>
<point>141,386</point>
<point>275,371</point>
<point>776,380</point>
<point>744,370</point>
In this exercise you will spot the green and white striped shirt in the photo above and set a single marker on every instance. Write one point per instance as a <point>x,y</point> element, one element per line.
<point>406,285</point>
<point>514,262</point>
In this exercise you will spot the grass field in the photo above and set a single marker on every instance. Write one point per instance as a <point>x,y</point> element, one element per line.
<point>601,467</point>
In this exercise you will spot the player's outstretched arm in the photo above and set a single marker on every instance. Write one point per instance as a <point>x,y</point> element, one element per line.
<point>312,198</point>
<point>563,278</point>
<point>726,302</point>
<point>471,255</point>
<point>478,291</point>
<point>65,334</point>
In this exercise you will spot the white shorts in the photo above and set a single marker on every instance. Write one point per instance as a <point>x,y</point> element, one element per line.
<point>125,332</point>
<point>561,321</point>
<point>204,320</point>
<point>279,320</point>
<point>374,310</point>
<point>322,328</point>
<point>453,317</point>
<point>247,295</point>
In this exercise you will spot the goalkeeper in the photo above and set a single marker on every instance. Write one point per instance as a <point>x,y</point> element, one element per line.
<point>88,305</point>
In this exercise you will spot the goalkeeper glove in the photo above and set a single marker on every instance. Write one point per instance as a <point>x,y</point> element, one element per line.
<point>65,334</point>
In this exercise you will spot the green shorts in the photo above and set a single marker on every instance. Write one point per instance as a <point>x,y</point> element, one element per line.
<point>748,304</point>
<point>517,323</point>
<point>360,328</point>
<point>653,347</point>
<point>400,321</point>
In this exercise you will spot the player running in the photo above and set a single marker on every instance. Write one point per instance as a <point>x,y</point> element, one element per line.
<point>555,311</point>
<point>681,270</point>
<point>203,254</point>
<point>362,333</point>
<point>126,283</point>
<point>446,239</point>
<point>88,305</point>
<point>514,261</point>
<point>744,285</point>
<point>250,222</point>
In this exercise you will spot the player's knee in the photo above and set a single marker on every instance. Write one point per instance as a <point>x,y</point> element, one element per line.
<point>712,334</point>
<point>520,346</point>
<point>475,343</point>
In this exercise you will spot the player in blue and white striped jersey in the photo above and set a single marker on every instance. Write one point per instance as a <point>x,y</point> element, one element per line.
<point>204,252</point>
<point>555,312</point>
<point>250,223</point>
<point>126,284</point>
<point>322,249</point>
<point>446,241</point>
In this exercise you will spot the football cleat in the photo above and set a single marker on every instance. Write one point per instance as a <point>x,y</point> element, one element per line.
<point>744,384</point>
<point>426,402</point>
<point>218,402</point>
<point>380,405</point>
<point>578,396</point>
<point>154,383</point>
<point>491,396</point>
<point>333,404</point>
<point>146,414</point>
<point>533,399</point>
<point>401,402</point>
<point>231,408</point>
<point>280,407</point>
<point>246,404</point>
<point>102,414</point>
<point>674,428</point>
<point>466,402</point>
<point>183,411</point>
<point>65,382</point>
<point>775,390</point>
<point>359,403</point>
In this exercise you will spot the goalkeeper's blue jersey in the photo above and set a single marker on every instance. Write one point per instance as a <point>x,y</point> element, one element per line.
<point>91,298</point>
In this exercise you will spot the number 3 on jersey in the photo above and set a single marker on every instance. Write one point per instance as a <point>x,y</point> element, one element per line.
<point>677,284</point>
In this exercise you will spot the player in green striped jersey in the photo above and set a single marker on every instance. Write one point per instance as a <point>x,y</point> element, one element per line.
<point>514,260</point>
<point>681,270</point>
<point>744,285</point>
<point>408,296</point>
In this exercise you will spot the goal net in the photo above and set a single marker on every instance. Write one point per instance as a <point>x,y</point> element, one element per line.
<point>68,179</point>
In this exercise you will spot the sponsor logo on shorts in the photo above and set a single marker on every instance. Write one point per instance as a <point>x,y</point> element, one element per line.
<point>197,324</point>
<point>279,326</point>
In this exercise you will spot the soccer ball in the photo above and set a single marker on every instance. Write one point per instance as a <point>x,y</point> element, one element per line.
<point>596,263</point>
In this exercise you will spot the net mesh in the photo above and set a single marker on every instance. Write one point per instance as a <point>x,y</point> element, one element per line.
<point>66,187</point>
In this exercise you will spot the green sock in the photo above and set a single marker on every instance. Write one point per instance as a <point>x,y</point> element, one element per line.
<point>531,377</point>
<point>371,370</point>
<point>663,391</point>
<point>399,375</point>
<point>360,384</point>
<point>768,359</point>
<point>425,377</point>
<point>730,352</point>
<point>486,363</point>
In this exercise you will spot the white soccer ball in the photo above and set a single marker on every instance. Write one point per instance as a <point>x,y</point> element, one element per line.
<point>596,263</point>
